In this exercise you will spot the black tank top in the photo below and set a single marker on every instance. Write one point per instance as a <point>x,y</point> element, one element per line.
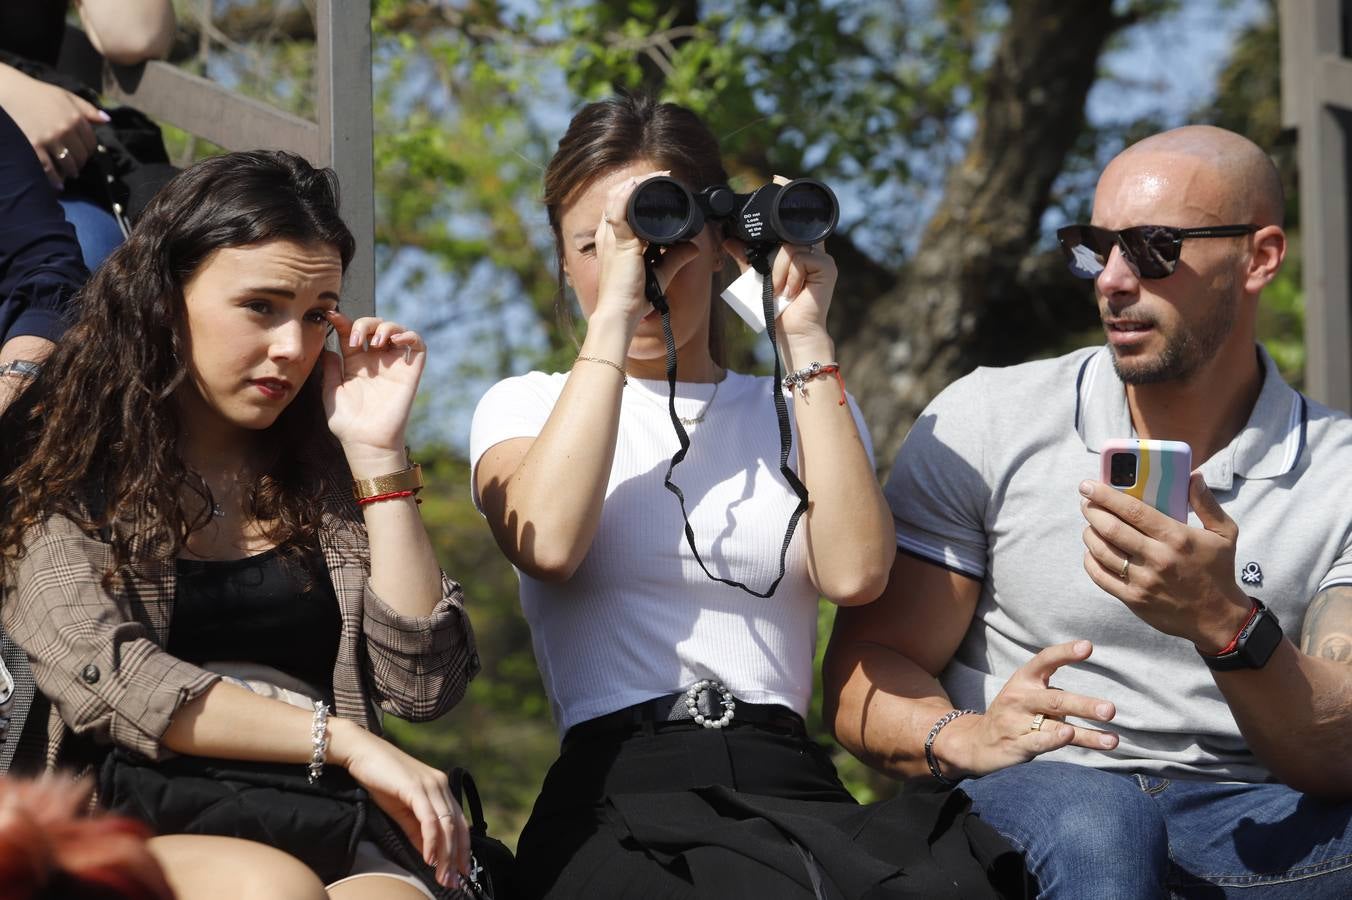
<point>272,608</point>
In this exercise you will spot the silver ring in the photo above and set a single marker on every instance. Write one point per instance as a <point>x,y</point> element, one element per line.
<point>62,154</point>
<point>1126,564</point>
<point>446,816</point>
<point>1037,722</point>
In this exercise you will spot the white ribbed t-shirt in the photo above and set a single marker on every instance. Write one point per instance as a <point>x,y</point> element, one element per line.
<point>639,619</point>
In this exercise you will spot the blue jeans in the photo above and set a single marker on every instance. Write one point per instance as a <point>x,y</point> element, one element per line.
<point>95,228</point>
<point>1089,833</point>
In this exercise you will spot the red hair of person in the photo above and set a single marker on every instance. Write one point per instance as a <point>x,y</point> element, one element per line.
<point>52,847</point>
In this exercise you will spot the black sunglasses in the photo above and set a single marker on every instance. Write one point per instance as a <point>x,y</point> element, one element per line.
<point>1152,250</point>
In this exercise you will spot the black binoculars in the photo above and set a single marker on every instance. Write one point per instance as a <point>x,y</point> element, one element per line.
<point>804,211</point>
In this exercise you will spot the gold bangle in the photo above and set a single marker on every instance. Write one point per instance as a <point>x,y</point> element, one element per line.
<point>409,479</point>
<point>606,362</point>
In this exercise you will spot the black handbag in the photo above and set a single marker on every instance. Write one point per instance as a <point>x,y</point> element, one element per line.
<point>272,803</point>
<point>492,865</point>
<point>275,804</point>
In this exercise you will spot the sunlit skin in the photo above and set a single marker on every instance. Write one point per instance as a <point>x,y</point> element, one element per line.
<point>582,224</point>
<point>254,326</point>
<point>1143,317</point>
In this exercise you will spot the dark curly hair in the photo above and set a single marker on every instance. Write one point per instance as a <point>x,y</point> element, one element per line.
<point>95,437</point>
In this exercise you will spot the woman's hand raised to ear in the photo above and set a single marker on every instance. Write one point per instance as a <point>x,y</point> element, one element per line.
<point>369,386</point>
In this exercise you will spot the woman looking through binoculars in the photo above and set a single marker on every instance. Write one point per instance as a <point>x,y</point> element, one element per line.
<point>685,763</point>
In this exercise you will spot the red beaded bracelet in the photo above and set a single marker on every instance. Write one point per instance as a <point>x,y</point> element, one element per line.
<point>392,495</point>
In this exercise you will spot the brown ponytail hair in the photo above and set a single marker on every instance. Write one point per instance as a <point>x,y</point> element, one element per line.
<point>613,133</point>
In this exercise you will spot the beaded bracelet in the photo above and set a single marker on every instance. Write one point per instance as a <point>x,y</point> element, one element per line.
<point>929,745</point>
<point>800,378</point>
<point>319,741</point>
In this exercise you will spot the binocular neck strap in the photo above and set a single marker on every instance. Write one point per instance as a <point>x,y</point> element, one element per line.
<point>658,299</point>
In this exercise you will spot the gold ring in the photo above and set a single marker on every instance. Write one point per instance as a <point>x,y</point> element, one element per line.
<point>1126,564</point>
<point>62,154</point>
<point>1037,722</point>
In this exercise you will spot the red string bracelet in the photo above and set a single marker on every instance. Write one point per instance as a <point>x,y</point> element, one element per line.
<point>392,495</point>
<point>840,379</point>
<point>1234,641</point>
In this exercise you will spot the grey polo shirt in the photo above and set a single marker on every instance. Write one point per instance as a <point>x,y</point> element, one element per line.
<point>987,485</point>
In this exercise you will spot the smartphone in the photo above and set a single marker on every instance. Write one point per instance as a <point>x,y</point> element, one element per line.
<point>1155,472</point>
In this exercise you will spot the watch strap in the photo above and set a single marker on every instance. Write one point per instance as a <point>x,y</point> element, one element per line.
<point>1254,645</point>
<point>24,368</point>
<point>409,479</point>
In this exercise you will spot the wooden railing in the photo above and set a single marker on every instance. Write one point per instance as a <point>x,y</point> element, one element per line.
<point>341,136</point>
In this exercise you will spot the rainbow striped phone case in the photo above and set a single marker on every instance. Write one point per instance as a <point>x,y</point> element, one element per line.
<point>1155,472</point>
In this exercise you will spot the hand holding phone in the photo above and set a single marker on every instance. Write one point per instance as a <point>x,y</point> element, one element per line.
<point>1154,472</point>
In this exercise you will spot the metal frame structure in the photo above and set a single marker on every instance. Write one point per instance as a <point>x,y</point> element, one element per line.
<point>341,138</point>
<point>1317,101</point>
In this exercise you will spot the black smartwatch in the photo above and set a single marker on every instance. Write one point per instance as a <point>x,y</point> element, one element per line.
<point>1254,644</point>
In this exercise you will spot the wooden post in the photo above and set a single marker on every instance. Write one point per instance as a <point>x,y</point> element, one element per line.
<point>1317,101</point>
<point>344,107</point>
<point>341,138</point>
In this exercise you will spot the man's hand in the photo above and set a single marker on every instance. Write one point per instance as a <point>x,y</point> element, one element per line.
<point>1177,579</point>
<point>1004,735</point>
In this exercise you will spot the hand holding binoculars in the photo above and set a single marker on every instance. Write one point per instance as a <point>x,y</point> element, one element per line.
<point>662,211</point>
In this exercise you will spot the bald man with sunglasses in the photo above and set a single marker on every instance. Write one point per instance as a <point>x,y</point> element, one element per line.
<point>1146,707</point>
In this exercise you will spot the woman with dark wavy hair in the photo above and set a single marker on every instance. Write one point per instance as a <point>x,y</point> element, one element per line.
<point>209,526</point>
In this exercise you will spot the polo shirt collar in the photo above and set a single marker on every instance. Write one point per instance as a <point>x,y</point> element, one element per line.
<point>1268,446</point>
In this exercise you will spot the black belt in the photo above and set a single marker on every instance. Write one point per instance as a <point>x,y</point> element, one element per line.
<point>672,713</point>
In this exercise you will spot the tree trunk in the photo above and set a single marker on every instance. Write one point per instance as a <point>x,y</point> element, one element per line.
<point>966,298</point>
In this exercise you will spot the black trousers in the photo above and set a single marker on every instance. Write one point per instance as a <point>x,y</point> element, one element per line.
<point>702,813</point>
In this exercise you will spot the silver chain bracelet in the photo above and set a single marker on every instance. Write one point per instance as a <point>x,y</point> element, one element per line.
<point>929,745</point>
<point>807,373</point>
<point>319,740</point>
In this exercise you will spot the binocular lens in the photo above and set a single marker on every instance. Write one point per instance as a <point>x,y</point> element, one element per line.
<point>660,211</point>
<point>807,213</point>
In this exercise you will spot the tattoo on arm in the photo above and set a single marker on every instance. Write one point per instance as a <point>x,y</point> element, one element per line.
<point>1327,631</point>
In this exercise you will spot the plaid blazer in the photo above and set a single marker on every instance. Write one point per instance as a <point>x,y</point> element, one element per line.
<point>97,654</point>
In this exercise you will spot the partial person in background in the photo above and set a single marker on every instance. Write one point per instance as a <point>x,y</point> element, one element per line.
<point>211,536</point>
<point>40,264</point>
<point>686,768</point>
<point>52,848</point>
<point>1148,708</point>
<point>58,124</point>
